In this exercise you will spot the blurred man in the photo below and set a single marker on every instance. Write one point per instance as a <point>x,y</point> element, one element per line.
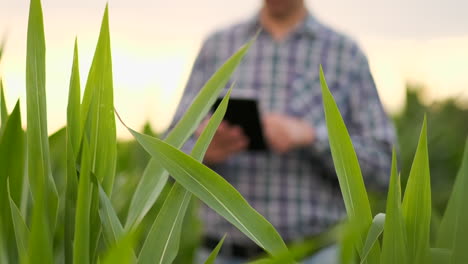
<point>293,184</point>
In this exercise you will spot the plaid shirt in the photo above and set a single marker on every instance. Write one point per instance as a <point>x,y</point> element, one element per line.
<point>297,192</point>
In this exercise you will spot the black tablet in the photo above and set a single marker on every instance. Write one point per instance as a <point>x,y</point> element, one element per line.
<point>244,112</point>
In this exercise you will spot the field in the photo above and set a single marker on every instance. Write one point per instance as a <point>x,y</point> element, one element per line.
<point>80,196</point>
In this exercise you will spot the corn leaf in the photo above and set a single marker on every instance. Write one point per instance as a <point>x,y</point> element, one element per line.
<point>97,110</point>
<point>98,124</point>
<point>453,232</point>
<point>73,108</point>
<point>40,248</point>
<point>73,146</point>
<point>212,257</point>
<point>417,203</point>
<point>162,243</point>
<point>441,256</point>
<point>12,157</point>
<point>12,160</point>
<point>373,235</point>
<point>2,46</point>
<point>112,228</point>
<point>215,191</point>
<point>122,251</point>
<point>349,237</point>
<point>21,230</point>
<point>39,170</point>
<point>155,176</point>
<point>348,171</point>
<point>394,238</point>
<point>81,246</point>
<point>3,107</point>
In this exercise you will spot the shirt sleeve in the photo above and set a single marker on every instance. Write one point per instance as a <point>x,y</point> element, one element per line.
<point>371,132</point>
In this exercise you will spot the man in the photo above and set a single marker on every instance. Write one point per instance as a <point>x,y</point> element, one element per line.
<point>293,184</point>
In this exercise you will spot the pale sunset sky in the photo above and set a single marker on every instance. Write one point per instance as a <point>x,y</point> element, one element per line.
<point>154,44</point>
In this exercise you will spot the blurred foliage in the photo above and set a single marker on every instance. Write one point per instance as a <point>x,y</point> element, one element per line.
<point>131,162</point>
<point>447,123</point>
<point>447,131</point>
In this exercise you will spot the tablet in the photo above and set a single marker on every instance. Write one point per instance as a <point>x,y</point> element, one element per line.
<point>244,112</point>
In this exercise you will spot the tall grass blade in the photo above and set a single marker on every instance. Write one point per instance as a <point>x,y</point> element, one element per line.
<point>40,248</point>
<point>98,124</point>
<point>212,257</point>
<point>111,226</point>
<point>39,170</point>
<point>162,243</point>
<point>73,146</point>
<point>155,176</point>
<point>3,107</point>
<point>417,203</point>
<point>12,161</point>
<point>122,251</point>
<point>2,47</point>
<point>21,230</point>
<point>97,110</point>
<point>73,108</point>
<point>215,191</point>
<point>441,256</point>
<point>348,171</point>
<point>81,246</point>
<point>373,235</point>
<point>394,238</point>
<point>349,237</point>
<point>453,232</point>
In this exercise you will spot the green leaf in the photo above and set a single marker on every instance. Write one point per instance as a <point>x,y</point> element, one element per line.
<point>12,161</point>
<point>162,243</point>
<point>40,248</point>
<point>215,191</point>
<point>81,246</point>
<point>212,257</point>
<point>394,239</point>
<point>39,170</point>
<point>348,171</point>
<point>373,235</point>
<point>20,228</point>
<point>98,124</point>
<point>97,110</point>
<point>111,225</point>
<point>155,177</point>
<point>441,256</point>
<point>70,202</point>
<point>2,46</point>
<point>112,228</point>
<point>73,108</point>
<point>3,107</point>
<point>453,232</point>
<point>350,236</point>
<point>417,203</point>
<point>122,251</point>
<point>73,145</point>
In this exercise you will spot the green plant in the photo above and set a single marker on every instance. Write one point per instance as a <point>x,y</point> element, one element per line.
<point>406,226</point>
<point>69,217</point>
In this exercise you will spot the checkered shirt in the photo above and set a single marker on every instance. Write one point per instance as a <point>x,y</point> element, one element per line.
<point>297,192</point>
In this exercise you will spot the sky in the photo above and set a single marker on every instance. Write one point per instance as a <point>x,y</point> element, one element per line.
<point>155,42</point>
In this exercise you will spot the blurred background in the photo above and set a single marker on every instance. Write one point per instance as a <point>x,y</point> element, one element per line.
<point>418,53</point>
<point>154,44</point>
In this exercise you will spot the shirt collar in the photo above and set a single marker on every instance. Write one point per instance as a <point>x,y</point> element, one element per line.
<point>309,26</point>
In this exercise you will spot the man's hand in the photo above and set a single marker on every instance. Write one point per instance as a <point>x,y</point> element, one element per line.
<point>227,141</point>
<point>284,133</point>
